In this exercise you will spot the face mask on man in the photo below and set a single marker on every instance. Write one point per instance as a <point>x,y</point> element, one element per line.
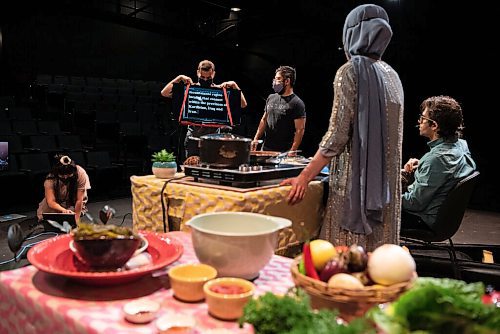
<point>205,82</point>
<point>278,87</point>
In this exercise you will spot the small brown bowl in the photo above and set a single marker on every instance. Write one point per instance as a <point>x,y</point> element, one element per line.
<point>106,252</point>
<point>227,296</point>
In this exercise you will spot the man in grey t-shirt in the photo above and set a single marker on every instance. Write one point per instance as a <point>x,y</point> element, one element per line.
<point>284,118</point>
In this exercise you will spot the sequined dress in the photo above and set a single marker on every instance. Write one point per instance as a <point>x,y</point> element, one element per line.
<point>338,142</point>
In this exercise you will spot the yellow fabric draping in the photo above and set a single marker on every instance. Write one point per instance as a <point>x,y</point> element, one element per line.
<point>183,199</point>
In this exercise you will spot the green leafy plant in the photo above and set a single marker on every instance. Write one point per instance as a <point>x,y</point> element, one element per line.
<point>163,156</point>
<point>292,314</point>
<point>439,305</point>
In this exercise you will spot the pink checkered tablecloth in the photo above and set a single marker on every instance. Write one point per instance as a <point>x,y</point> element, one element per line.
<point>32,301</point>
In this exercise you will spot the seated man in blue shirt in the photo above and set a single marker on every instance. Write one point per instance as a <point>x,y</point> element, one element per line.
<point>440,169</point>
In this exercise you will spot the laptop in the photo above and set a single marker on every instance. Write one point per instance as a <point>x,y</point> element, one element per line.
<point>60,218</point>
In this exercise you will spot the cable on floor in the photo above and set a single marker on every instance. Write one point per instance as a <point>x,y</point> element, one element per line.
<point>25,247</point>
<point>127,214</point>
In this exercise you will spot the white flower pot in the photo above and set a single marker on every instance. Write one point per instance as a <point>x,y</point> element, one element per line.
<point>164,170</point>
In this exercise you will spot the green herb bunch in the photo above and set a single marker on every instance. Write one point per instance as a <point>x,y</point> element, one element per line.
<point>163,156</point>
<point>291,314</point>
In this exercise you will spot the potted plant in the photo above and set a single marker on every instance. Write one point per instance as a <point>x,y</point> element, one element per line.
<point>164,165</point>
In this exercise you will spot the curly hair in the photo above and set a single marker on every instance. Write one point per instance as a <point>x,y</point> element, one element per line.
<point>447,113</point>
<point>287,72</point>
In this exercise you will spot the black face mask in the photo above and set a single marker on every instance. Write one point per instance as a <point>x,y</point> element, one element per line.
<point>278,87</point>
<point>205,82</point>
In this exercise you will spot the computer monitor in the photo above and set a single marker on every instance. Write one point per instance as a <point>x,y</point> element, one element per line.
<point>60,217</point>
<point>4,156</point>
<point>209,107</point>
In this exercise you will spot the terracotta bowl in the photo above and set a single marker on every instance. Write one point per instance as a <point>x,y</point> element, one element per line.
<point>227,296</point>
<point>187,280</point>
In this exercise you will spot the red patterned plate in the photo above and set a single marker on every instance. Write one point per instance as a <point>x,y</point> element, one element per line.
<point>55,257</point>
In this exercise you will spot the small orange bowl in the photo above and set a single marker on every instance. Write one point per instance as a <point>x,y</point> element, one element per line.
<point>227,296</point>
<point>187,280</point>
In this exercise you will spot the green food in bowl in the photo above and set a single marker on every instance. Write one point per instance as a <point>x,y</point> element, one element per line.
<point>104,246</point>
<point>94,231</point>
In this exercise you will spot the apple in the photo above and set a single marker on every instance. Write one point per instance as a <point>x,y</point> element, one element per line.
<point>321,252</point>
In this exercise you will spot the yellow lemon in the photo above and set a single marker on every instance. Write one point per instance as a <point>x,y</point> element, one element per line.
<point>321,252</point>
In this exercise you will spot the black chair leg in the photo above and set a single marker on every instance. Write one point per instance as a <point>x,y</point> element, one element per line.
<point>453,257</point>
<point>450,249</point>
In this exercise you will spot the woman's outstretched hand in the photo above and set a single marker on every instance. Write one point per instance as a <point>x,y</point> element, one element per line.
<point>297,191</point>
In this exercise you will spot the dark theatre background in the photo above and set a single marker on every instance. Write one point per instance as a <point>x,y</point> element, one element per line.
<point>97,68</point>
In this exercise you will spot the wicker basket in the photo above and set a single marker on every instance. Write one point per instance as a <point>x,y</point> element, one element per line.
<point>350,303</point>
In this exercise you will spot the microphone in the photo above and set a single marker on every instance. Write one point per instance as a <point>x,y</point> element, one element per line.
<point>16,236</point>
<point>417,126</point>
<point>106,213</point>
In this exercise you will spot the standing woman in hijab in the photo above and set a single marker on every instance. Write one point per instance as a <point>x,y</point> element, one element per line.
<point>65,189</point>
<point>364,140</point>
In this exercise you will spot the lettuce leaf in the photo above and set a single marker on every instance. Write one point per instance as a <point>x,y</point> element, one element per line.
<point>439,305</point>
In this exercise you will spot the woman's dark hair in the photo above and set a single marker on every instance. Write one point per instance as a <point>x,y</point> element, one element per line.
<point>447,113</point>
<point>64,165</point>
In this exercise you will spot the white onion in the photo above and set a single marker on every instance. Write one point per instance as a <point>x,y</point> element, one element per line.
<point>345,281</point>
<point>390,264</point>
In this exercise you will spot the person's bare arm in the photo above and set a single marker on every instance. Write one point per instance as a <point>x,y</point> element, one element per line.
<point>79,203</point>
<point>234,85</point>
<point>300,127</point>
<point>50,197</point>
<point>260,131</point>
<point>167,90</point>
<point>243,100</point>
<point>299,184</point>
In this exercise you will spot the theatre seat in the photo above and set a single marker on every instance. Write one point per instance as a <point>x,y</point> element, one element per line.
<point>448,221</point>
<point>107,175</point>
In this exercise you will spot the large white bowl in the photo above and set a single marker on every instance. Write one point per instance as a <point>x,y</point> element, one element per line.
<point>237,244</point>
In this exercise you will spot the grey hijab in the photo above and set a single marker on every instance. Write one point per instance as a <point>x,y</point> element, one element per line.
<point>366,35</point>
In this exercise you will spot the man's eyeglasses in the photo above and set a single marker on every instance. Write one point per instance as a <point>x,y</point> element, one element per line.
<point>422,118</point>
